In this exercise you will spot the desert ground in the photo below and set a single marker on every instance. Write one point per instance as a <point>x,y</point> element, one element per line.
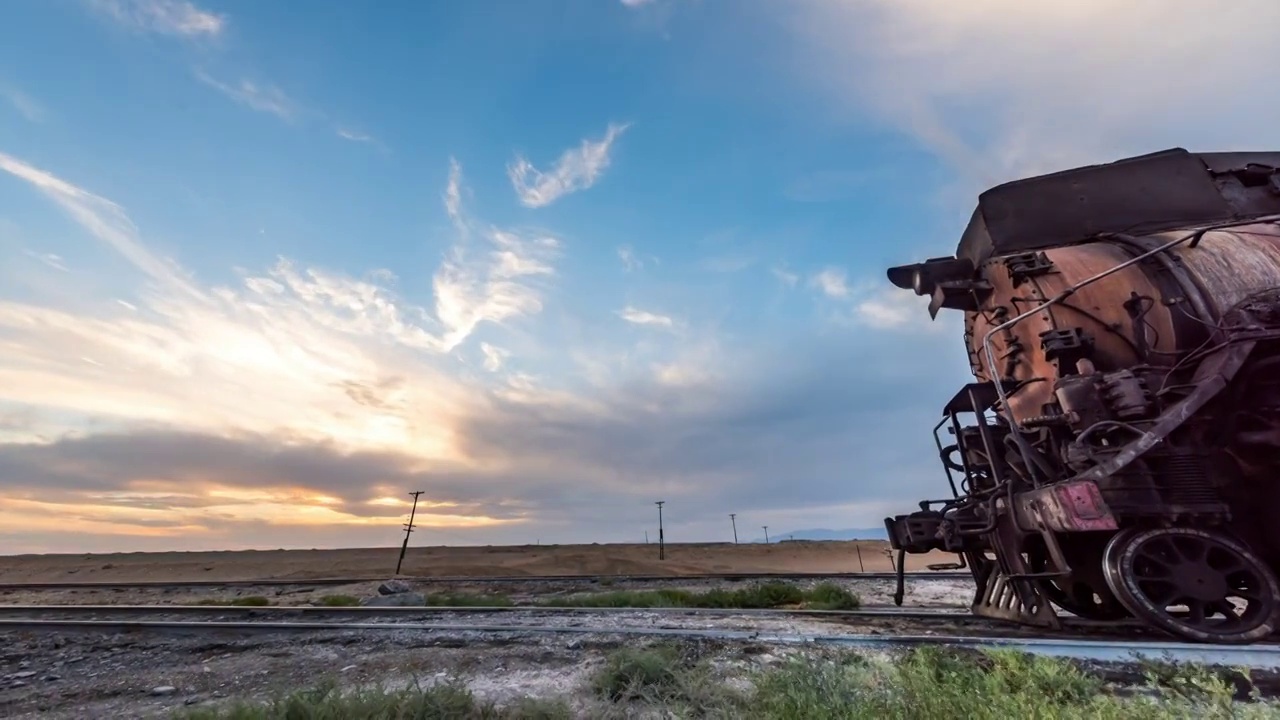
<point>435,561</point>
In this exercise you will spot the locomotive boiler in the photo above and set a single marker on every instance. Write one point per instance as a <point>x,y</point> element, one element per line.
<point>1117,456</point>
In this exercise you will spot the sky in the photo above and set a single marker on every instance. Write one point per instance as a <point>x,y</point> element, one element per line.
<point>269,267</point>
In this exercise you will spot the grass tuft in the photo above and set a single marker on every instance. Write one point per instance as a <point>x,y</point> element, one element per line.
<point>444,701</point>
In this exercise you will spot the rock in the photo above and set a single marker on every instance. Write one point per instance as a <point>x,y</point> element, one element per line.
<point>573,644</point>
<point>24,674</point>
<point>348,668</point>
<point>52,678</point>
<point>17,684</point>
<point>163,690</point>
<point>406,599</point>
<point>394,587</point>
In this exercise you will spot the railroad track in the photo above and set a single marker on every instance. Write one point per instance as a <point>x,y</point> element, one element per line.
<point>471,579</point>
<point>1103,650</point>
<point>43,611</point>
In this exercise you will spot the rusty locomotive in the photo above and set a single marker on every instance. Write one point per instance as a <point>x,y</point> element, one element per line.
<point>1118,453</point>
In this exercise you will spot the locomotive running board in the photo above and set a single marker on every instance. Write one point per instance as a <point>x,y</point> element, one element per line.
<point>1015,599</point>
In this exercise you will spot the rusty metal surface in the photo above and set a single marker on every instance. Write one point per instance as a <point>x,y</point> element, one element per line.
<point>1094,309</point>
<point>1232,265</point>
<point>1065,507</point>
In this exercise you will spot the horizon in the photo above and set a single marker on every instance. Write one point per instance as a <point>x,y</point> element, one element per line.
<point>269,270</point>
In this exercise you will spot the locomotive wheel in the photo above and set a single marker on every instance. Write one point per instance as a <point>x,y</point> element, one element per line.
<point>1199,585</point>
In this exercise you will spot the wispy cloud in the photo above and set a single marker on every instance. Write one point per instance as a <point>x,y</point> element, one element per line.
<point>494,356</point>
<point>831,281</point>
<point>577,169</point>
<point>27,106</point>
<point>636,316</point>
<point>51,259</point>
<point>872,304</point>
<point>635,3</point>
<point>495,282</point>
<point>106,220</point>
<point>353,135</point>
<point>996,109</point>
<point>167,17</point>
<point>785,276</point>
<point>263,98</point>
<point>629,260</point>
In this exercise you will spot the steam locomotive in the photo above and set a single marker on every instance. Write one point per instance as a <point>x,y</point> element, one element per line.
<point>1117,456</point>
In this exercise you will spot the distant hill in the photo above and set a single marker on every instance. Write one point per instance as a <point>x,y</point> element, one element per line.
<point>827,534</point>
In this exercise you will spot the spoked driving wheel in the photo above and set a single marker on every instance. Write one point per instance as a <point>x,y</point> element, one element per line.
<point>1200,585</point>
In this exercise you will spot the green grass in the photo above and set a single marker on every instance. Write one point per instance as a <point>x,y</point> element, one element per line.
<point>826,596</point>
<point>249,601</point>
<point>671,680</point>
<point>446,701</point>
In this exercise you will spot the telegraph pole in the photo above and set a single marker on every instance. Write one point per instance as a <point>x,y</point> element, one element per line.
<point>662,549</point>
<point>766,534</point>
<point>408,528</point>
<point>733,519</point>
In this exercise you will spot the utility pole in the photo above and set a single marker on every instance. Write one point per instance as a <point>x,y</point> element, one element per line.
<point>408,528</point>
<point>662,548</point>
<point>766,534</point>
<point>646,537</point>
<point>733,519</point>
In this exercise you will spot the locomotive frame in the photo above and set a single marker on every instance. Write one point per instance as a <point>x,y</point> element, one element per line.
<point>1123,324</point>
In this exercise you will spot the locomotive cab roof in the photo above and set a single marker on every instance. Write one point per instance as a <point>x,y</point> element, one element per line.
<point>1165,190</point>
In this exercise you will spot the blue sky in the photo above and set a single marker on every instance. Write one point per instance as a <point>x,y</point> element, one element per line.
<point>268,267</point>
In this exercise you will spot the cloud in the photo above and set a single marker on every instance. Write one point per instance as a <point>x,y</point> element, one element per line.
<point>831,281</point>
<point>636,316</point>
<point>263,98</point>
<point>635,3</point>
<point>493,280</point>
<point>629,260</point>
<point>296,405</point>
<point>985,87</point>
<point>167,17</point>
<point>52,260</point>
<point>353,135</point>
<point>494,357</point>
<point>577,169</point>
<point>870,304</point>
<point>27,106</point>
<point>101,217</point>
<point>785,276</point>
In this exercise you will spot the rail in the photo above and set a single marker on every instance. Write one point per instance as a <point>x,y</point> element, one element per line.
<point>467,579</point>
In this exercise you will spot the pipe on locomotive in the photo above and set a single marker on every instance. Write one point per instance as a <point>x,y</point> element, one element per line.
<point>986,339</point>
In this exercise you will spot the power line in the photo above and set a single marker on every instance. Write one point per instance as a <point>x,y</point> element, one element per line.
<point>662,548</point>
<point>408,528</point>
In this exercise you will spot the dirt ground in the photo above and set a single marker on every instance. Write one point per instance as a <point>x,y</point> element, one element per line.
<point>638,559</point>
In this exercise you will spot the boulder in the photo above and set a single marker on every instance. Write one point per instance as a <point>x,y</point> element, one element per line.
<point>394,587</point>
